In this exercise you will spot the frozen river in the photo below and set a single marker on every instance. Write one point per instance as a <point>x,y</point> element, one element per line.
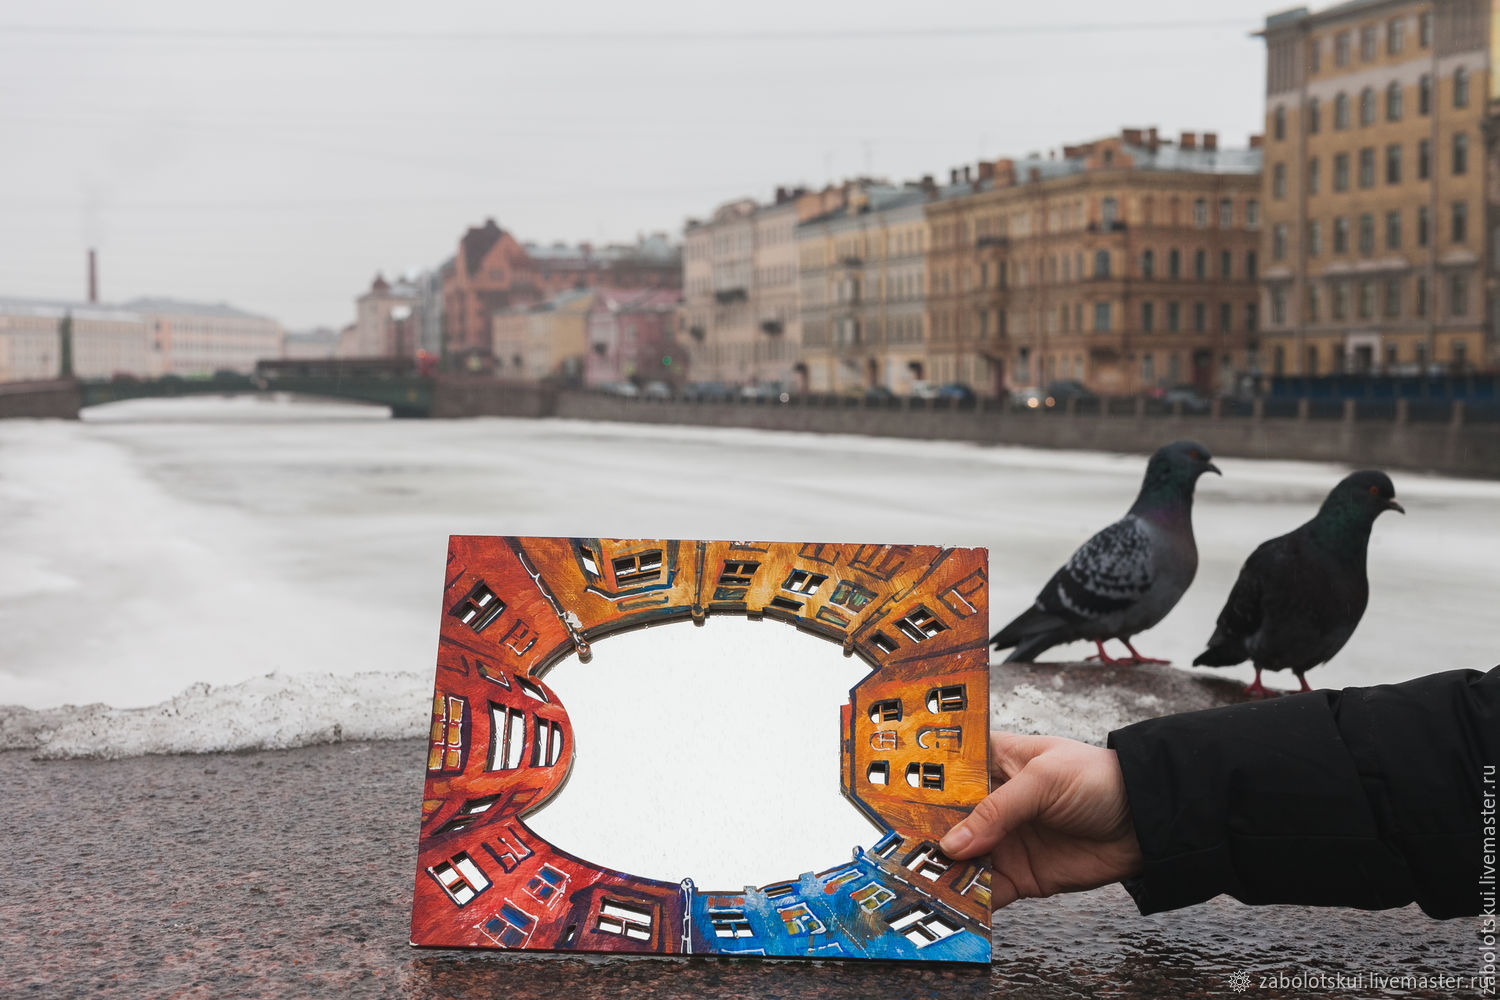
<point>158,545</point>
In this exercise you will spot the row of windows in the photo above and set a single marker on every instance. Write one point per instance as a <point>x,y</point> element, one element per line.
<point>1395,41</point>
<point>1365,232</point>
<point>1369,112</point>
<point>1068,268</point>
<point>1363,359</point>
<point>1368,173</point>
<point>1062,366</point>
<point>1369,298</point>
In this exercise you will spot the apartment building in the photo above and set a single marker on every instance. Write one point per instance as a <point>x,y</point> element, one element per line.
<point>106,341</point>
<point>1128,263</point>
<point>862,277</point>
<point>545,340</point>
<point>1375,189</point>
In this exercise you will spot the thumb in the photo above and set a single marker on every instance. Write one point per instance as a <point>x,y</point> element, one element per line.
<point>1017,801</point>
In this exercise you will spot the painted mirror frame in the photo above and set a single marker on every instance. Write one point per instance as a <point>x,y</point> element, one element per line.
<point>914,747</point>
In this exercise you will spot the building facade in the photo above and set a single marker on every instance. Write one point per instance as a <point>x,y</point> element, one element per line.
<point>546,340</point>
<point>1127,264</point>
<point>632,336</point>
<point>386,321</point>
<point>492,271</point>
<point>1378,200</point>
<point>198,338</point>
<point>106,341</point>
<point>862,280</point>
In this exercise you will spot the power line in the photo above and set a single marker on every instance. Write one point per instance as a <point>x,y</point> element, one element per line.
<point>345,35</point>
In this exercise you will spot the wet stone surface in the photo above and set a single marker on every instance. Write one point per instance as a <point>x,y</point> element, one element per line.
<point>289,873</point>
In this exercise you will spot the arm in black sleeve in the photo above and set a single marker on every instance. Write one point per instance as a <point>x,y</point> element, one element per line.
<point>1366,797</point>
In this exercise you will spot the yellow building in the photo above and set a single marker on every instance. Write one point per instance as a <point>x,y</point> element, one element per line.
<point>545,340</point>
<point>861,277</point>
<point>1374,188</point>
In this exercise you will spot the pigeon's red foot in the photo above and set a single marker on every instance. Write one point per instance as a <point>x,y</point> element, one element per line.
<point>1136,659</point>
<point>1259,690</point>
<point>1304,683</point>
<point>1105,658</point>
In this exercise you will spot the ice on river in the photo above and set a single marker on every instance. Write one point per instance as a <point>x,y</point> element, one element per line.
<point>158,545</point>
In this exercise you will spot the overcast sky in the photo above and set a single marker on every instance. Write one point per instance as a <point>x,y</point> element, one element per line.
<point>276,155</point>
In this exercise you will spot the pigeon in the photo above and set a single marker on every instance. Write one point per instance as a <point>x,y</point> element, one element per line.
<point>1299,596</point>
<point>1127,577</point>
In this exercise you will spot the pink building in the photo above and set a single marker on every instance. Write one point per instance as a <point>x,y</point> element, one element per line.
<point>631,336</point>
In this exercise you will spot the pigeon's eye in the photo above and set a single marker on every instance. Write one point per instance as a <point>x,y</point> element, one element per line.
<point>1196,454</point>
<point>1374,491</point>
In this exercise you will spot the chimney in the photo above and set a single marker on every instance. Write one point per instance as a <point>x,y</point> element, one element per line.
<point>1256,141</point>
<point>781,196</point>
<point>1210,141</point>
<point>93,276</point>
<point>968,173</point>
<point>929,185</point>
<point>1132,137</point>
<point>953,176</point>
<point>1189,140</point>
<point>1152,140</point>
<point>987,170</point>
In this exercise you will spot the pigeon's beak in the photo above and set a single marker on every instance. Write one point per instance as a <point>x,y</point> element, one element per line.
<point>1393,505</point>
<point>1211,467</point>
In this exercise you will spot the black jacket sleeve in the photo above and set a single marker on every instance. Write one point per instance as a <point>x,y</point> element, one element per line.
<point>1366,797</point>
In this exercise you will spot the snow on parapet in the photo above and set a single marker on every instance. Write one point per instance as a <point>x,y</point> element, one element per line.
<point>274,712</point>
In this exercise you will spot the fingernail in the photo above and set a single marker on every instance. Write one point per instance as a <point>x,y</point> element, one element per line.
<point>955,840</point>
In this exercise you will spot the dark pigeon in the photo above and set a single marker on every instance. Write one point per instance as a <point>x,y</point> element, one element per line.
<point>1127,577</point>
<point>1299,597</point>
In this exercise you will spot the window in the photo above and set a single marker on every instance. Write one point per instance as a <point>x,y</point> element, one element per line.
<point>1341,172</point>
<point>510,927</point>
<point>1393,230</point>
<point>920,624</point>
<point>1200,264</point>
<point>953,698</point>
<point>1251,268</point>
<point>460,878</point>
<point>1312,360</point>
<point>1393,102</point>
<point>1419,305</point>
<point>1424,29</point>
<point>1314,238</point>
<point>1424,94</point>
<point>1341,49</point>
<point>1200,213</point>
<point>1278,241</point>
<point>1367,106</point>
<point>1200,317</point>
<point>1278,124</point>
<point>1174,263</point>
<point>1395,35</point>
<point>1148,316</point>
<point>1367,167</point>
<point>1366,234</point>
<point>1101,263</point>
<point>737,573</point>
<point>1312,303</point>
<point>927,861</point>
<point>1226,264</point>
<point>886,710</point>
<point>1148,264</point>
<point>1340,234</point>
<point>1340,303</point>
<point>1226,317</point>
<point>1458,294</point>
<point>1252,213</point>
<point>850,595</point>
<point>1252,317</point>
<point>1278,305</point>
<point>1367,43</point>
<point>638,569</point>
<point>802,582</point>
<point>1461,153</point>
<point>729,922</point>
<point>1278,361</point>
<point>919,775</point>
<point>1366,299</point>
<point>872,897</point>
<point>1314,116</point>
<point>1341,110</point>
<point>1109,211</point>
<point>1424,159</point>
<point>1460,88</point>
<point>447,742</point>
<point>507,738</point>
<point>1174,317</point>
<point>1226,213</point>
<point>479,608</point>
<point>1314,180</point>
<point>1278,181</point>
<point>1314,56</point>
<point>1424,226</point>
<point>1101,317</point>
<point>626,920</point>
<point>546,743</point>
<point>1392,297</point>
<point>1460,222</point>
<point>922,926</point>
<point>1393,164</point>
<point>1148,368</point>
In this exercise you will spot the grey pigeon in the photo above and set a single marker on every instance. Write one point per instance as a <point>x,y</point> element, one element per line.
<point>1127,577</point>
<point>1299,597</point>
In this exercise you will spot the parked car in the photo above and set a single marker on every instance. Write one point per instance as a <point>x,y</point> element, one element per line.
<point>1188,396</point>
<point>1027,397</point>
<point>771,391</point>
<point>879,394</point>
<point>657,389</point>
<point>626,389</point>
<point>956,392</point>
<point>924,390</point>
<point>1058,393</point>
<point>706,391</point>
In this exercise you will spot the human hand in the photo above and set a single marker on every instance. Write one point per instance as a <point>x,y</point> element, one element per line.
<point>1058,823</point>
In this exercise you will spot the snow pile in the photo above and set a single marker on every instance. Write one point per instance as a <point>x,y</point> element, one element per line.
<point>273,712</point>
